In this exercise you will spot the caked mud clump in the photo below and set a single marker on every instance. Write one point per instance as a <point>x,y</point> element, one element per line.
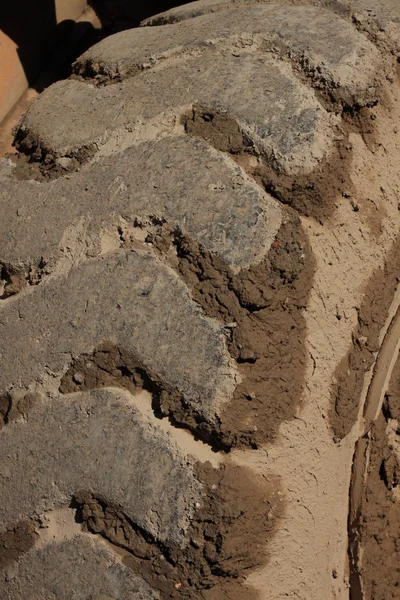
<point>13,280</point>
<point>189,529</point>
<point>351,372</point>
<point>224,543</point>
<point>312,195</point>
<point>15,541</point>
<point>35,161</point>
<point>261,309</point>
<point>109,366</point>
<point>12,407</point>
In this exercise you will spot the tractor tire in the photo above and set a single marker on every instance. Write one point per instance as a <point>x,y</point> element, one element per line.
<point>200,312</point>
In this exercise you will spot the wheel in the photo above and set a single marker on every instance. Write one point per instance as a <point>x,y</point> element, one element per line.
<point>199,312</point>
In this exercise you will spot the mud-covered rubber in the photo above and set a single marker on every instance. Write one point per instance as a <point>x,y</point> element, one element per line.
<point>199,264</point>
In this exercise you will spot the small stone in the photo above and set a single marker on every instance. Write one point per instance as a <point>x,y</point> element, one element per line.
<point>78,378</point>
<point>64,162</point>
<point>247,355</point>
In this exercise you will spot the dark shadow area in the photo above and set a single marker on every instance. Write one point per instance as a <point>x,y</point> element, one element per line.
<point>68,46</point>
<point>47,49</point>
<point>42,44</point>
<point>117,15</point>
<point>33,27</point>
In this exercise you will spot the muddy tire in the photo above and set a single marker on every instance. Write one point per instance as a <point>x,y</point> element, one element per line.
<point>199,267</point>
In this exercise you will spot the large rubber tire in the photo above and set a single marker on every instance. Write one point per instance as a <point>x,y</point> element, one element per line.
<point>198,316</point>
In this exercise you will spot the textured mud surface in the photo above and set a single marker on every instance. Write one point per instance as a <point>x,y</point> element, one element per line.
<point>15,541</point>
<point>311,195</point>
<point>198,290</point>
<point>234,507</point>
<point>261,309</point>
<point>88,569</point>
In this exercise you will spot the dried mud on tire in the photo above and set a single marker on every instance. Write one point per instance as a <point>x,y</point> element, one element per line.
<point>199,307</point>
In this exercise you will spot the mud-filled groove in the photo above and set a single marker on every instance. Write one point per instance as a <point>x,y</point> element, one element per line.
<point>351,372</point>
<point>214,563</point>
<point>261,310</point>
<point>314,194</point>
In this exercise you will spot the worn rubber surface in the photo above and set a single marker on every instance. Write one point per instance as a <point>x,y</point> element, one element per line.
<point>199,320</point>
